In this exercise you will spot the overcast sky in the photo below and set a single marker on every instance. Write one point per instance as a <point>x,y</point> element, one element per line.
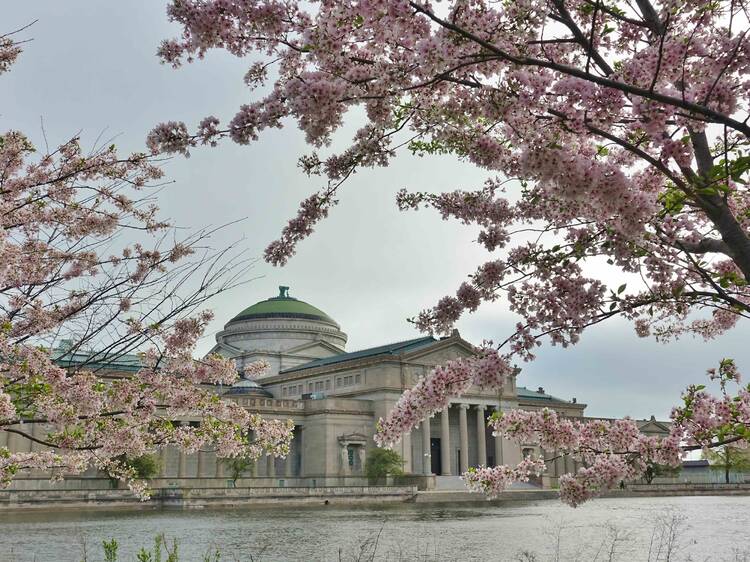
<point>91,67</point>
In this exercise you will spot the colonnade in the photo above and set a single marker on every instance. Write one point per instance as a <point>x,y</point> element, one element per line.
<point>446,466</point>
<point>205,464</point>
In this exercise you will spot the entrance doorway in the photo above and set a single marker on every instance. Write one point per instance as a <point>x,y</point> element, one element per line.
<point>436,466</point>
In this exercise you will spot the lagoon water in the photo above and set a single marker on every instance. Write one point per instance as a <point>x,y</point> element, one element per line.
<point>648,529</point>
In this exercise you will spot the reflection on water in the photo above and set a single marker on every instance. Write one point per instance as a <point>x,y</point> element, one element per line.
<point>694,528</point>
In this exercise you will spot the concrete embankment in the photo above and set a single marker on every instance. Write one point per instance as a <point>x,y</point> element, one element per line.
<point>215,497</point>
<point>185,498</point>
<point>631,491</point>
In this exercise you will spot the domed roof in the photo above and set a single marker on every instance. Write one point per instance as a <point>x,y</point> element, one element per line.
<point>283,306</point>
<point>244,387</point>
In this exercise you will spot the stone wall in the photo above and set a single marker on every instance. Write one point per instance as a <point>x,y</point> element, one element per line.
<point>179,498</point>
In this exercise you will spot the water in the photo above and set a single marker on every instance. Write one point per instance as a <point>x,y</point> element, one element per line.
<point>704,528</point>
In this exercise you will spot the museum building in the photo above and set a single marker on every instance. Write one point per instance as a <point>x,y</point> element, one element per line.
<point>335,399</point>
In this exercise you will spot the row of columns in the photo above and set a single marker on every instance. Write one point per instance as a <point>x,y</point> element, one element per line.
<point>219,468</point>
<point>463,433</point>
<point>18,443</point>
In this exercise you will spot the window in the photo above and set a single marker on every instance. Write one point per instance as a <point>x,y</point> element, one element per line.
<point>309,387</point>
<point>328,384</point>
<point>338,381</point>
<point>284,391</point>
<point>358,379</point>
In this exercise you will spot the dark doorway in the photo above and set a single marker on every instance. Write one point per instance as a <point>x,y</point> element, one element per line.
<point>436,466</point>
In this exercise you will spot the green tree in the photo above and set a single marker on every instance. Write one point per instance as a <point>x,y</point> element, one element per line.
<point>145,466</point>
<point>383,462</point>
<point>237,466</point>
<point>730,459</point>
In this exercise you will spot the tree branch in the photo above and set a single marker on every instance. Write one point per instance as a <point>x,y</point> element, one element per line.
<point>710,114</point>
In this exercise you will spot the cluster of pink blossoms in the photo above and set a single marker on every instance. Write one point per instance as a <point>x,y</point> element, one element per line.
<point>708,419</point>
<point>256,368</point>
<point>611,452</point>
<point>493,481</point>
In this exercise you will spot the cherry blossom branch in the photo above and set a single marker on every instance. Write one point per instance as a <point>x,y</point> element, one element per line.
<point>712,115</point>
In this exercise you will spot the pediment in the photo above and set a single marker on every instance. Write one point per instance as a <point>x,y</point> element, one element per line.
<point>314,350</point>
<point>225,350</point>
<point>353,438</point>
<point>653,427</point>
<point>442,351</point>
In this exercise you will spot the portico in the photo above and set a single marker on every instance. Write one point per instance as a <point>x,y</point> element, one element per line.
<point>458,438</point>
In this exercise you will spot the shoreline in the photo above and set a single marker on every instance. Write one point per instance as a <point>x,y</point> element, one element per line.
<point>186,499</point>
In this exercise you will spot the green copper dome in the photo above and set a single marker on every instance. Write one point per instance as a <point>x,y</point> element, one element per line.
<point>283,306</point>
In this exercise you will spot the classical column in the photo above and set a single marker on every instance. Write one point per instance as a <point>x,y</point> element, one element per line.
<point>568,465</point>
<point>219,468</point>
<point>499,451</point>
<point>163,459</point>
<point>481,437</point>
<point>463,431</point>
<point>201,462</point>
<point>344,459</point>
<point>271,466</point>
<point>288,465</point>
<point>406,453</point>
<point>362,452</point>
<point>30,430</point>
<point>445,442</point>
<point>290,456</point>
<point>300,450</point>
<point>13,440</point>
<point>426,456</point>
<point>182,465</point>
<point>37,431</point>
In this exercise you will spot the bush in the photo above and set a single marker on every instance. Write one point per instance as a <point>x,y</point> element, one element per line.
<point>146,466</point>
<point>383,462</point>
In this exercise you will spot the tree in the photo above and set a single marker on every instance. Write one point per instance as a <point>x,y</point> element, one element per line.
<point>383,462</point>
<point>71,267</point>
<point>619,131</point>
<point>730,459</point>
<point>238,466</point>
